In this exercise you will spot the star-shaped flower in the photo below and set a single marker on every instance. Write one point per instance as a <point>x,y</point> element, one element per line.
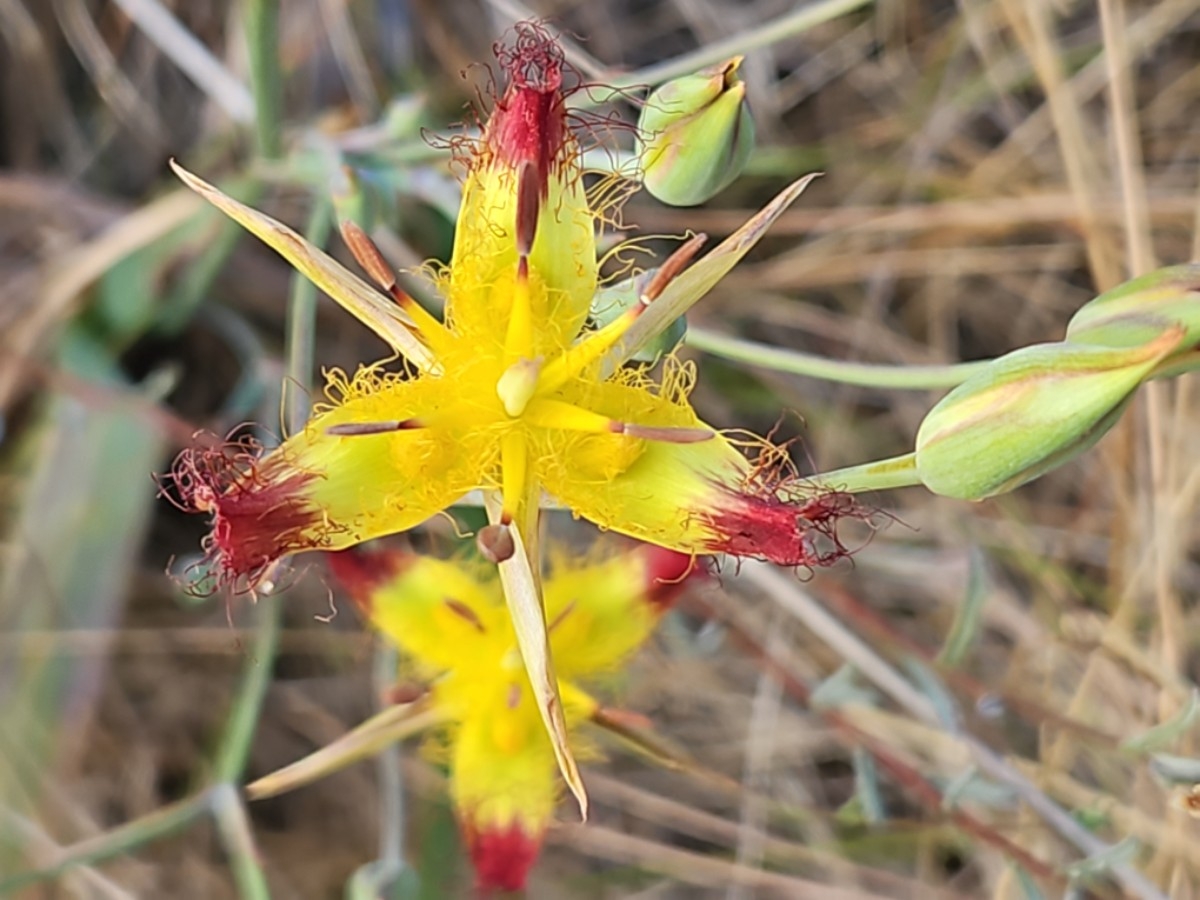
<point>452,627</point>
<point>512,393</point>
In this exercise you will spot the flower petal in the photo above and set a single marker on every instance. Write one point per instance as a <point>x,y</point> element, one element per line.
<point>703,497</point>
<point>437,610</point>
<point>600,612</point>
<point>323,491</point>
<point>525,184</point>
<point>504,799</point>
<point>356,296</point>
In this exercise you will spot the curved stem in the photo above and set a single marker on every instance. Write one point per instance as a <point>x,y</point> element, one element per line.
<point>881,475</point>
<point>907,378</point>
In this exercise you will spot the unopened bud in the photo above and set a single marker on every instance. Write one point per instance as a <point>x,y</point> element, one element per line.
<point>1029,412</point>
<point>695,135</point>
<point>1141,310</point>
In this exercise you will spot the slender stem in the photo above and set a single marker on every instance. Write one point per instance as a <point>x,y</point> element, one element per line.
<point>233,825</point>
<point>243,719</point>
<point>301,324</point>
<point>116,842</point>
<point>262,37</point>
<point>882,475</point>
<point>391,777</point>
<point>910,378</point>
<point>796,22</point>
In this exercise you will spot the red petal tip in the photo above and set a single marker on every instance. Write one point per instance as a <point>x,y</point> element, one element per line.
<point>502,856</point>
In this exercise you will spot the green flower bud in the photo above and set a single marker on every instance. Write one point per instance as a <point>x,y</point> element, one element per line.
<point>1141,310</point>
<point>695,135</point>
<point>1028,412</point>
<point>612,300</point>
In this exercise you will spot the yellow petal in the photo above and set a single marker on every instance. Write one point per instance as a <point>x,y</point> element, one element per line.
<point>356,296</point>
<point>701,497</point>
<point>437,611</point>
<point>600,612</point>
<point>528,162</point>
<point>504,786</point>
<point>323,491</point>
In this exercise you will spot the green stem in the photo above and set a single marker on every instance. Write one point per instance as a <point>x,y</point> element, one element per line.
<point>117,842</point>
<point>233,825</point>
<point>882,475</point>
<point>302,323</point>
<point>786,26</point>
<point>910,378</point>
<point>262,37</point>
<point>239,732</point>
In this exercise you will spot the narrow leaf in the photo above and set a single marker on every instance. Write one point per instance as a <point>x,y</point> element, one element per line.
<point>393,724</point>
<point>351,292</point>
<point>700,278</point>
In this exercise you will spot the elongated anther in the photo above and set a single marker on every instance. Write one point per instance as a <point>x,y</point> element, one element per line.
<point>380,271</point>
<point>670,269</point>
<point>666,434</point>
<point>364,250</point>
<point>562,615</point>
<point>354,429</point>
<point>529,189</point>
<point>465,612</point>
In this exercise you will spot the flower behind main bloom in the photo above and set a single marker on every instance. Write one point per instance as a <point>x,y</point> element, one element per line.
<point>451,625</point>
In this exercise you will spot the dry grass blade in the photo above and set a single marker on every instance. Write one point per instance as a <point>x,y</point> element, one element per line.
<point>365,741</point>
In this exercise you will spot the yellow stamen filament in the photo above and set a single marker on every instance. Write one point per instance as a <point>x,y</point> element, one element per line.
<point>595,345</point>
<point>514,463</point>
<point>519,340</point>
<point>368,256</point>
<point>544,413</point>
<point>571,363</point>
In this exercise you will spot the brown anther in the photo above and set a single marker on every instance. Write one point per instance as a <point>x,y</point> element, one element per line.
<point>495,543</point>
<point>666,434</point>
<point>465,612</point>
<point>529,190</point>
<point>670,269</point>
<point>403,693</point>
<point>368,255</point>
<point>514,696</point>
<point>561,617</point>
<point>354,429</point>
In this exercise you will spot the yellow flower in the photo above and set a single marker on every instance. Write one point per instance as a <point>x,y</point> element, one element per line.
<point>512,393</point>
<point>453,629</point>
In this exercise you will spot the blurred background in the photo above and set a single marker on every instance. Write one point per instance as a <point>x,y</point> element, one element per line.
<point>992,700</point>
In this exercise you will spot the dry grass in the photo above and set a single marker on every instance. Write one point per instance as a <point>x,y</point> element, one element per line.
<point>989,166</point>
